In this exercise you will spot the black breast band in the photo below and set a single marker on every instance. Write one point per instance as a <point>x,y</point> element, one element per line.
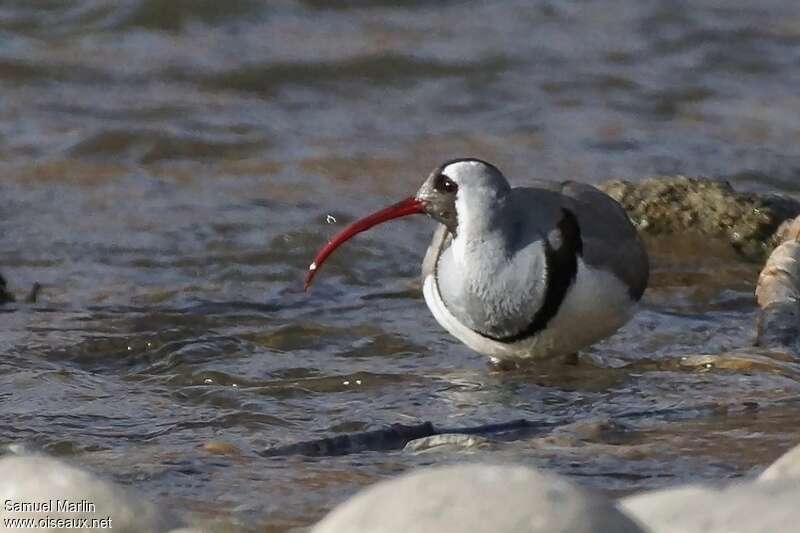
<point>562,267</point>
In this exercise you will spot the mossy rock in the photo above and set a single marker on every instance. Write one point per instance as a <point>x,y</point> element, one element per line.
<point>680,204</point>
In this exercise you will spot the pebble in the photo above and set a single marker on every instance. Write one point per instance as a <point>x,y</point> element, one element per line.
<point>516,499</point>
<point>787,466</point>
<point>446,441</point>
<point>221,447</point>
<point>476,499</point>
<point>750,507</point>
<point>38,478</point>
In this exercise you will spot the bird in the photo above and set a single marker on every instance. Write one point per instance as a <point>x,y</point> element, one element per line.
<point>519,274</point>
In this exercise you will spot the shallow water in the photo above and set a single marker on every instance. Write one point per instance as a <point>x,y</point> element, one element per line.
<point>169,168</point>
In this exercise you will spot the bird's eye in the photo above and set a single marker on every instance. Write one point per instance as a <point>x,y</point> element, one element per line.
<point>445,184</point>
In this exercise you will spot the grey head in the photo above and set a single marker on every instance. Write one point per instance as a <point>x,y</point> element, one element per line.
<point>475,185</point>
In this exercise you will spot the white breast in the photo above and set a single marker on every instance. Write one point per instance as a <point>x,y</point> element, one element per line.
<point>596,305</point>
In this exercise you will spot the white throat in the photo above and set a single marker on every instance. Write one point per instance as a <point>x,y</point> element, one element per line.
<point>483,285</point>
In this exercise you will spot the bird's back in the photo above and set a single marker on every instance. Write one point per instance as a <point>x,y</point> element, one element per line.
<point>610,241</point>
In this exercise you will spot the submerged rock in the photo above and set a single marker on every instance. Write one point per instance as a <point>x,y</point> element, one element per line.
<point>476,499</point>
<point>397,436</point>
<point>769,506</point>
<point>448,441</point>
<point>41,480</point>
<point>392,438</point>
<point>680,204</point>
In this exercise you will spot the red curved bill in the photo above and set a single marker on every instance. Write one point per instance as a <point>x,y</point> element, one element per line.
<point>409,206</point>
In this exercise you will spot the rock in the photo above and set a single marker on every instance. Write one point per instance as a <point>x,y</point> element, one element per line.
<point>787,466</point>
<point>598,430</point>
<point>394,437</point>
<point>778,294</point>
<point>447,441</point>
<point>221,447</point>
<point>37,478</point>
<point>751,507</point>
<point>16,448</point>
<point>476,499</point>
<point>679,204</point>
<point>788,231</point>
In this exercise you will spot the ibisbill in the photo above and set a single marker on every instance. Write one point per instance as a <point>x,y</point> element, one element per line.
<point>519,273</point>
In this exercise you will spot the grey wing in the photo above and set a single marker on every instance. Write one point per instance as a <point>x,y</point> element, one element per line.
<point>610,240</point>
<point>440,242</point>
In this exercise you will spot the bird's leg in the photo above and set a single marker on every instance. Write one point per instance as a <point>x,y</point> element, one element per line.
<point>5,295</point>
<point>33,296</point>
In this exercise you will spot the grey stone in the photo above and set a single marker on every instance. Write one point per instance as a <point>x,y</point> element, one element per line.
<point>37,478</point>
<point>787,466</point>
<point>476,499</point>
<point>753,507</point>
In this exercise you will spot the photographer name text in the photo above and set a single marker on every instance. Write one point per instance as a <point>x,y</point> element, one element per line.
<point>49,506</point>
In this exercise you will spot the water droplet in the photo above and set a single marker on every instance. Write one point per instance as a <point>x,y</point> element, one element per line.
<point>130,348</point>
<point>345,383</point>
<point>235,385</point>
<point>208,381</point>
<point>330,219</point>
<point>708,366</point>
<point>312,266</point>
<point>358,382</point>
<point>149,345</point>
